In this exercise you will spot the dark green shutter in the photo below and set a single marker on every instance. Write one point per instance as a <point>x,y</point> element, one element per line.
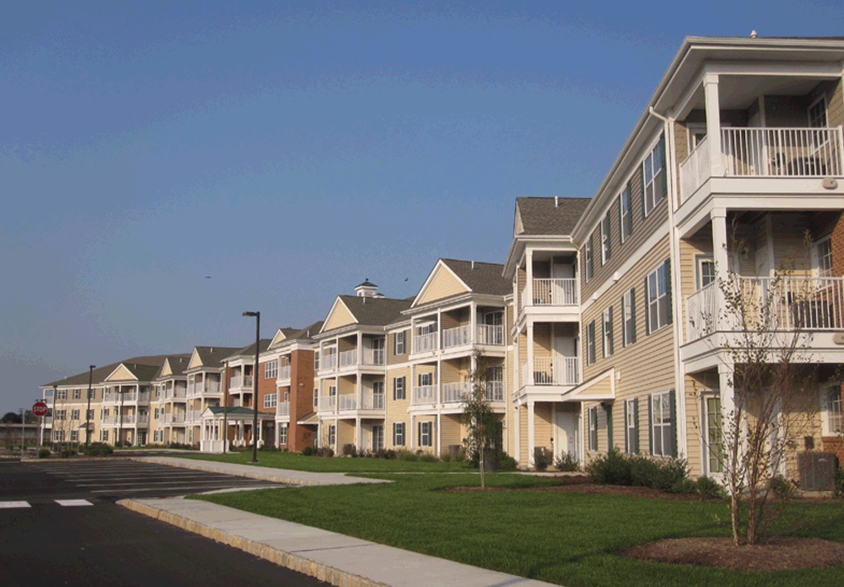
<point>609,427</point>
<point>620,217</point>
<point>609,235</point>
<point>627,447</point>
<point>664,182</point>
<point>636,426</point>
<point>630,212</point>
<point>647,310</point>
<point>612,333</point>
<point>633,314</point>
<point>668,290</point>
<point>642,186</point>
<point>650,425</point>
<point>672,399</point>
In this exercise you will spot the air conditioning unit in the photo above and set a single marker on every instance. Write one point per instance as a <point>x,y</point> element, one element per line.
<point>817,470</point>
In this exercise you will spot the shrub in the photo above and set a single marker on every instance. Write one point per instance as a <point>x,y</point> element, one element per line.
<point>708,488</point>
<point>388,454</point>
<point>325,452</point>
<point>839,483</point>
<point>268,447</point>
<point>43,453</point>
<point>406,455</point>
<point>506,462</point>
<point>782,488</point>
<point>540,461</point>
<point>445,456</point>
<point>460,457</point>
<point>96,449</point>
<point>308,451</point>
<point>610,469</point>
<point>567,462</point>
<point>428,457</point>
<point>615,468</point>
<point>68,452</point>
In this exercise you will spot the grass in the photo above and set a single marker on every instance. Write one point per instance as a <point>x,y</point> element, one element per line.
<point>297,462</point>
<point>564,538</point>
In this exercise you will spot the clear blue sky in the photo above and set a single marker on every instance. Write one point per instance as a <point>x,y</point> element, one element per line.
<point>292,150</point>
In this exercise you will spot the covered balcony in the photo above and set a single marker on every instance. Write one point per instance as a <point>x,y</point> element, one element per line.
<point>548,371</point>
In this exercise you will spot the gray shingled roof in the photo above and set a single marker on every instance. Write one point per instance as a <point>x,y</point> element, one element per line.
<point>372,311</point>
<point>212,356</point>
<point>484,278</point>
<point>100,373</point>
<point>307,332</point>
<point>249,351</point>
<point>541,216</point>
<point>178,364</point>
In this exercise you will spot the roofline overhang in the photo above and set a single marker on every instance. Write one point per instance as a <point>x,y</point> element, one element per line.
<point>459,299</point>
<point>520,242</point>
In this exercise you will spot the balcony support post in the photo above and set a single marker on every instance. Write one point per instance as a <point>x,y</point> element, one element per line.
<point>721,256</point>
<point>531,405</point>
<point>531,366</point>
<point>358,433</point>
<point>713,123</point>
<point>529,280</point>
<point>474,335</point>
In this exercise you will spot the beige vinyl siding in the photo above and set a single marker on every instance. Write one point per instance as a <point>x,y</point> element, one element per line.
<point>543,426</point>
<point>453,432</point>
<point>415,433</point>
<point>345,434</point>
<point>522,341</point>
<point>396,410</point>
<point>121,374</point>
<point>340,316</point>
<point>791,251</point>
<point>347,343</point>
<point>444,284</point>
<point>643,228</point>
<point>835,105</point>
<point>521,283</point>
<point>392,358</point>
<point>346,385</point>
<point>689,251</point>
<point>195,360</point>
<point>455,370</point>
<point>523,426</point>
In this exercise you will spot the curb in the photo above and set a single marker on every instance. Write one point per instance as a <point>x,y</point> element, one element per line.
<point>282,558</point>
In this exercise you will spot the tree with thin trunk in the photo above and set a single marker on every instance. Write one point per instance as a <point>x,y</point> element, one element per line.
<point>477,414</point>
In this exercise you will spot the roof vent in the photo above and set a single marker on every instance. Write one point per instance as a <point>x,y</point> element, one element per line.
<point>473,265</point>
<point>379,296</point>
<point>752,34</point>
<point>366,289</point>
<point>556,201</point>
<point>212,349</point>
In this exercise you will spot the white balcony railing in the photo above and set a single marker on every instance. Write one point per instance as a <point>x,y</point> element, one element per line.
<point>767,152</point>
<point>555,292</point>
<point>423,343</point>
<point>327,403</point>
<point>328,362</point>
<point>374,357</point>
<point>547,371</point>
<point>456,393</point>
<point>373,401</point>
<point>348,402</point>
<point>349,358</point>
<point>767,304</point>
<point>127,397</point>
<point>459,336</point>
<point>424,394</point>
<point>283,374</point>
<point>283,409</point>
<point>495,391</point>
<point>238,382</point>
<point>131,420</point>
<point>491,335</point>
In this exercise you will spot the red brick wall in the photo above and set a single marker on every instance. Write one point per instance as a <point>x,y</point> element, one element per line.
<point>835,444</point>
<point>837,240</point>
<point>265,387</point>
<point>301,399</point>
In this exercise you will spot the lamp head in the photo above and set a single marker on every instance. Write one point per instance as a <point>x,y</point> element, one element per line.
<point>251,313</point>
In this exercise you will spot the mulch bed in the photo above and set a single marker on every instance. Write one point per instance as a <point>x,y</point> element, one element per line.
<point>772,555</point>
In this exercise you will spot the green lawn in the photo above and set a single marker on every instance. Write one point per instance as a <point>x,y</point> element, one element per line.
<point>297,462</point>
<point>564,538</point>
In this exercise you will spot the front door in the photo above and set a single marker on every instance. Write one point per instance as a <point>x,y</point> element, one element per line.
<point>377,437</point>
<point>566,433</point>
<point>565,371</point>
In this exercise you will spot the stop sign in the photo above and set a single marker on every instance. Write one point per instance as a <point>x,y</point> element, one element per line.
<point>39,409</point>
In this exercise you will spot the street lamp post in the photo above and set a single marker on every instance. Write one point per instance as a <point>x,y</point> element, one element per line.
<point>88,409</point>
<point>257,316</point>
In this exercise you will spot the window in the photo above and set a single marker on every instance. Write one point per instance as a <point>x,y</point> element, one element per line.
<point>74,414</point>
<point>377,437</point>
<point>155,413</point>
<point>658,297</point>
<point>714,439</point>
<point>662,424</point>
<point>61,394</point>
<point>282,434</point>
<point>103,435</point>
<point>58,435</point>
<point>653,177</point>
<point>631,426</point>
<point>625,220</point>
<point>61,414</point>
<point>399,388</point>
<point>817,113</point>
<point>271,369</point>
<point>628,317</point>
<point>588,261</point>
<point>77,394</point>
<point>606,320</point>
<point>316,360</point>
<point>425,433</point>
<point>822,252</point>
<point>833,409</point>
<point>270,400</point>
<point>593,428</point>
<point>90,414</point>
<point>398,343</point>
<point>426,379</point>
<point>377,388</point>
<point>332,435</point>
<point>106,412</point>
<point>398,434</point>
<point>704,270</point>
<point>316,397</point>
<point>590,343</point>
<point>74,435</point>
<point>605,239</point>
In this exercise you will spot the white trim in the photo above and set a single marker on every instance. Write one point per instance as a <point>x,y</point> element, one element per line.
<point>435,271</point>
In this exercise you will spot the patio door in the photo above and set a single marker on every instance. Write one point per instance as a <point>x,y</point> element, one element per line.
<point>377,437</point>
<point>565,371</point>
<point>566,433</point>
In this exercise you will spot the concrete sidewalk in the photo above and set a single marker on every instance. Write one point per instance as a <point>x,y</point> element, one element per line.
<point>288,476</point>
<point>330,557</point>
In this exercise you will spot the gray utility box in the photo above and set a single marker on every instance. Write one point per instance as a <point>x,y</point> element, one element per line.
<point>817,470</point>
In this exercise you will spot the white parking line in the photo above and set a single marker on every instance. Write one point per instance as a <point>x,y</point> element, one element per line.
<point>166,482</point>
<point>189,487</point>
<point>14,504</point>
<point>73,502</point>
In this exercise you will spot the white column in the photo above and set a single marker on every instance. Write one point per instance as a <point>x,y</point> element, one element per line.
<point>439,434</point>
<point>718,217</point>
<point>530,353</point>
<point>358,434</point>
<point>530,423</point>
<point>713,123</point>
<point>412,432</point>
<point>529,279</point>
<point>360,348</point>
<point>517,448</point>
<point>473,323</point>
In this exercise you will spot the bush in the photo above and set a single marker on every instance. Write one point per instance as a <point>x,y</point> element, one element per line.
<point>406,455</point>
<point>610,469</point>
<point>387,454</point>
<point>540,461</point>
<point>615,468</point>
<point>839,483</point>
<point>428,457</point>
<point>782,488</point>
<point>308,451</point>
<point>445,456</point>
<point>68,452</point>
<point>325,452</point>
<point>708,488</point>
<point>567,463</point>
<point>506,463</point>
<point>43,453</point>
<point>96,449</point>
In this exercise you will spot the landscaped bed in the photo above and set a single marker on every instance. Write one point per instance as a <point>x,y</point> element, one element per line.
<point>569,533</point>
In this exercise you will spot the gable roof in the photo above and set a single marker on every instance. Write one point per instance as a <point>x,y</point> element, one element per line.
<point>177,364</point>
<point>281,335</point>
<point>212,356</point>
<point>482,278</point>
<point>249,351</point>
<point>374,311</point>
<point>100,373</point>
<point>549,215</point>
<point>138,371</point>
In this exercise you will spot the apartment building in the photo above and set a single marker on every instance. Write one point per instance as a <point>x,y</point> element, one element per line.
<point>169,403</point>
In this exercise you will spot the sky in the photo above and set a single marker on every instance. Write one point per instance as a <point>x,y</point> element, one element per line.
<point>291,150</point>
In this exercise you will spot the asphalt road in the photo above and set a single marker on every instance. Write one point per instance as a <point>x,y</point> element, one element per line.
<point>59,525</point>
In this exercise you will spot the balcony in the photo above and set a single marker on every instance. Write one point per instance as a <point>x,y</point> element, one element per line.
<point>456,393</point>
<point>126,397</point>
<point>176,393</point>
<point>766,152</point>
<point>327,403</point>
<point>283,376</point>
<point>462,336</point>
<point>126,420</point>
<point>283,409</point>
<point>374,357</point>
<point>813,304</point>
<point>423,343</point>
<point>424,395</point>
<point>546,371</point>
<point>244,383</point>
<point>328,362</point>
<point>348,358</point>
<point>170,419</point>
<point>208,387</point>
<point>554,292</point>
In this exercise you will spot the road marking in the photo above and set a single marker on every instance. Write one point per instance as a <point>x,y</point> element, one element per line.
<point>73,502</point>
<point>119,490</point>
<point>14,504</point>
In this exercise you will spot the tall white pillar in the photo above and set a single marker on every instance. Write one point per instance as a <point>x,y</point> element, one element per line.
<point>713,123</point>
<point>531,405</point>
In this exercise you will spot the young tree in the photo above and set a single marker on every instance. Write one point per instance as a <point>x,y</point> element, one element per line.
<point>477,414</point>
<point>762,322</point>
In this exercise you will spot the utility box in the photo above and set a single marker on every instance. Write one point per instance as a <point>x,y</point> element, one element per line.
<point>817,470</point>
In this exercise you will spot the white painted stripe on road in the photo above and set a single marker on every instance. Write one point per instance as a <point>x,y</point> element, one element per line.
<point>124,477</point>
<point>117,490</point>
<point>150,483</point>
<point>73,502</point>
<point>14,504</point>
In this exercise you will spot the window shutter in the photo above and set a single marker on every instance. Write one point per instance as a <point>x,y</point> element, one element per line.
<point>636,425</point>
<point>627,447</point>
<point>609,427</point>
<point>647,309</point>
<point>650,425</point>
<point>668,290</point>
<point>672,398</point>
<point>620,218</point>
<point>642,187</point>
<point>633,314</point>
<point>612,333</point>
<point>664,182</point>
<point>630,212</point>
<point>609,236</point>
<point>419,434</point>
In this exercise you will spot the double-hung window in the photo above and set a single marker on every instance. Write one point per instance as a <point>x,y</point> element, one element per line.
<point>625,219</point>
<point>833,409</point>
<point>61,414</point>
<point>588,262</point>
<point>631,426</point>
<point>658,297</point>
<point>605,239</point>
<point>590,343</point>
<point>822,252</point>
<point>399,343</point>
<point>332,434</point>
<point>270,400</point>
<point>77,394</point>
<point>628,317</point>
<point>606,320</point>
<point>399,388</point>
<point>316,397</point>
<point>103,435</point>
<point>282,434</point>
<point>271,369</point>
<point>653,177</point>
<point>426,433</point>
<point>593,428</point>
<point>74,435</point>
<point>398,433</point>
<point>74,414</point>
<point>704,270</point>
<point>61,394</point>
<point>662,424</point>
